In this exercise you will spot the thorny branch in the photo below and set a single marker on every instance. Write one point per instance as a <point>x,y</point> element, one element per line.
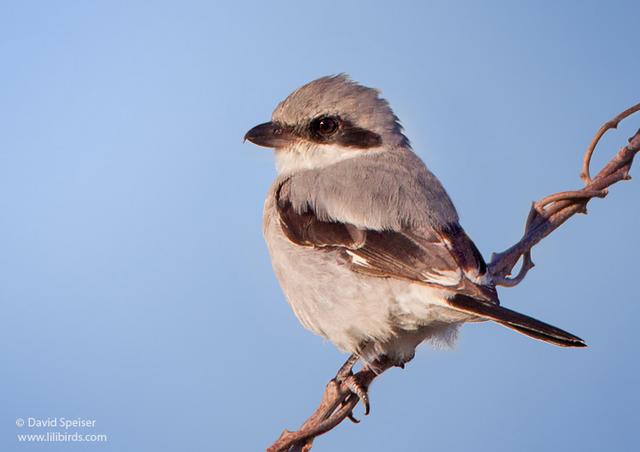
<point>545,216</point>
<point>549,213</point>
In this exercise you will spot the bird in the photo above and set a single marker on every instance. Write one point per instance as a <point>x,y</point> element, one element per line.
<point>364,239</point>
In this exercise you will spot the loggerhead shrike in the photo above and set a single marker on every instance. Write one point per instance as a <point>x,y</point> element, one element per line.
<point>363,238</point>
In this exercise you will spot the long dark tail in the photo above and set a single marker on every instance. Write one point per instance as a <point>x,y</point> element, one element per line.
<point>516,321</point>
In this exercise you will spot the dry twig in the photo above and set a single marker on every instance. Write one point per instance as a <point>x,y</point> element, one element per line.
<point>552,211</point>
<point>545,216</point>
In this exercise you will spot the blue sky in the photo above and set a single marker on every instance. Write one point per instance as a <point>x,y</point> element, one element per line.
<point>136,289</point>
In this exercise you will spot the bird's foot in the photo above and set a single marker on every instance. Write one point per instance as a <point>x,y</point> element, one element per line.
<point>359,390</point>
<point>346,377</point>
<point>347,368</point>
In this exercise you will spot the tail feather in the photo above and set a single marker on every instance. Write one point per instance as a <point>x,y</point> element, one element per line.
<point>516,321</point>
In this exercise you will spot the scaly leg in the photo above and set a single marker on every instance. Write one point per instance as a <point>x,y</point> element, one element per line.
<point>345,376</point>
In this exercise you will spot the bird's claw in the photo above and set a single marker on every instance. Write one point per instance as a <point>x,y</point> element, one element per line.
<point>345,376</point>
<point>359,391</point>
<point>352,418</point>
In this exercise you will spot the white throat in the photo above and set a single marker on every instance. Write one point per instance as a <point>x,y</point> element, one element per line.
<point>314,156</point>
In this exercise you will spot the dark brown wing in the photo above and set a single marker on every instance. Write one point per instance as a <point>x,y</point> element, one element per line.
<point>446,258</point>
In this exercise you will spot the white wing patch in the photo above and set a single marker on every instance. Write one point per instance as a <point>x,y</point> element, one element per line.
<point>443,277</point>
<point>358,260</point>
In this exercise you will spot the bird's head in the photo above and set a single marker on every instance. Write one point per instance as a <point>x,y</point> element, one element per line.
<point>326,121</point>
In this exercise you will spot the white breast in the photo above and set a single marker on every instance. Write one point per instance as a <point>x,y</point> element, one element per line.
<point>348,308</point>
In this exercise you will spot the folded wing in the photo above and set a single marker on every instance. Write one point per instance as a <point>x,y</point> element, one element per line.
<point>445,258</point>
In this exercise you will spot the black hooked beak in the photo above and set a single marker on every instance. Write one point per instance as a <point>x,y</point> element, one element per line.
<point>270,135</point>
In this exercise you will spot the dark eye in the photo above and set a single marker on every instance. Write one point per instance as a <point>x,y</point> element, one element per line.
<point>326,126</point>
